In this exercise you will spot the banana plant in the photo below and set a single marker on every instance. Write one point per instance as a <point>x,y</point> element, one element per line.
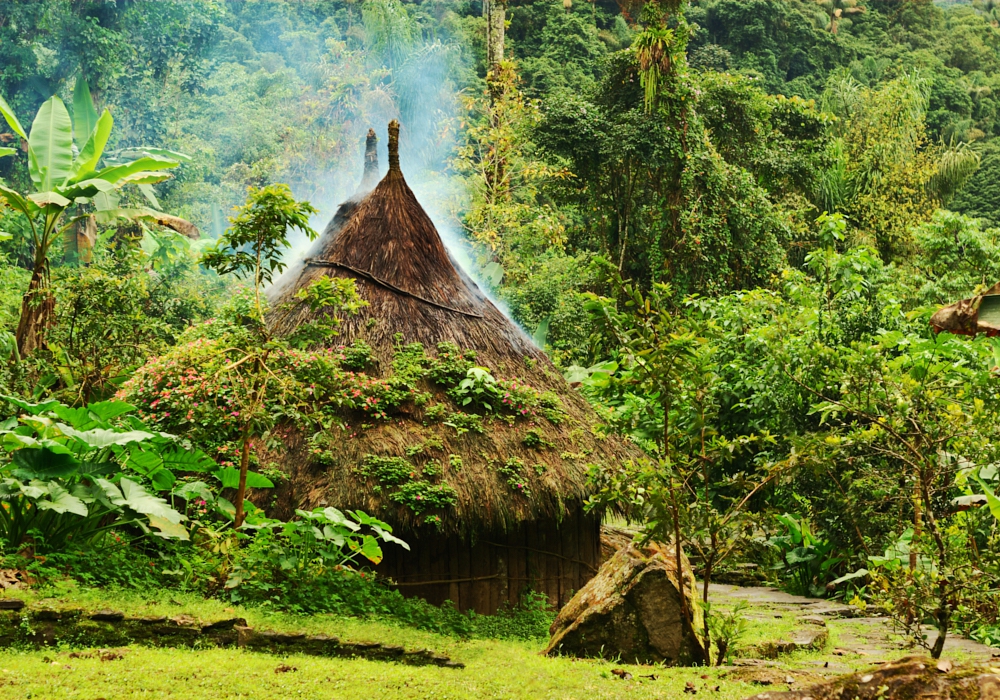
<point>65,165</point>
<point>67,475</point>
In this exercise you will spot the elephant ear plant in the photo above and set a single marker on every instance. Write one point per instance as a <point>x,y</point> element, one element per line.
<point>67,178</point>
<point>67,475</point>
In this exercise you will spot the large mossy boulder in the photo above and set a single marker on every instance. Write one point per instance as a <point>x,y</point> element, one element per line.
<point>906,679</point>
<point>631,610</point>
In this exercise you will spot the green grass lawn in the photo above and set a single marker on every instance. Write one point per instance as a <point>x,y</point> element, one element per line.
<point>494,668</point>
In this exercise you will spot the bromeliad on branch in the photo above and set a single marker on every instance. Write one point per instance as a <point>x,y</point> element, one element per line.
<point>659,46</point>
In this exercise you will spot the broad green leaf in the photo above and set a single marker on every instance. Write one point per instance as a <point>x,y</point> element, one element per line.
<point>134,496</point>
<point>148,244</point>
<point>43,199</point>
<point>34,409</point>
<point>167,529</point>
<point>142,151</point>
<point>389,537</point>
<point>541,333</point>
<point>84,112</point>
<point>105,202</point>
<point>8,115</point>
<point>226,508</point>
<point>991,499</point>
<point>194,489</point>
<point>370,550</point>
<point>4,151</point>
<point>800,555</point>
<point>335,536</point>
<point>58,499</point>
<point>51,142</point>
<point>44,463</point>
<point>182,460</point>
<point>88,416</point>
<point>163,479</point>
<point>15,199</point>
<point>494,273</point>
<point>34,170</point>
<point>338,518</point>
<point>230,478</point>
<point>144,178</point>
<point>99,438</point>
<point>148,193</point>
<point>115,173</point>
<point>86,188</point>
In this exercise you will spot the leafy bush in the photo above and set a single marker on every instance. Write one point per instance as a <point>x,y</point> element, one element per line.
<point>807,560</point>
<point>283,559</point>
<point>71,474</point>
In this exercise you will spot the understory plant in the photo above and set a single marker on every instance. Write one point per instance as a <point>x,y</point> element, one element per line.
<point>69,475</point>
<point>65,167</point>
<point>691,491</point>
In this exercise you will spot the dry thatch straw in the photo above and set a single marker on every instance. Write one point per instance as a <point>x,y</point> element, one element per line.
<point>387,243</point>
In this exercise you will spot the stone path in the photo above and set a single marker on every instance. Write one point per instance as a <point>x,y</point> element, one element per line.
<point>856,639</point>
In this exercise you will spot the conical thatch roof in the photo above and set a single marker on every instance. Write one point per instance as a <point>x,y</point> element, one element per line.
<point>522,466</point>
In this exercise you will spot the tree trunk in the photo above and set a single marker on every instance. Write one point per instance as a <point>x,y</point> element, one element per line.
<point>495,12</point>
<point>36,311</point>
<point>241,489</point>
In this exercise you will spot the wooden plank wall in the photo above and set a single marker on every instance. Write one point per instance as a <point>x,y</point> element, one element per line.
<point>492,571</point>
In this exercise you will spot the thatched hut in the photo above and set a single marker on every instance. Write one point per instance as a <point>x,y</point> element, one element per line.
<point>488,492</point>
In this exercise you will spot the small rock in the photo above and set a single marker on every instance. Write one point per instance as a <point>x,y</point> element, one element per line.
<point>689,688</point>
<point>621,673</point>
<point>813,620</point>
<point>944,665</point>
<point>11,604</point>
<point>789,680</point>
<point>226,624</point>
<point>152,620</point>
<point>284,668</point>
<point>107,616</point>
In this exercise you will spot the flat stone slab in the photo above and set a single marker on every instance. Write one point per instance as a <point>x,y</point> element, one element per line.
<point>812,639</point>
<point>860,633</point>
<point>52,626</point>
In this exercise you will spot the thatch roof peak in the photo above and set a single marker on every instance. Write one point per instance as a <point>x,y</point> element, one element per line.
<point>388,244</point>
<point>390,240</point>
<point>370,177</point>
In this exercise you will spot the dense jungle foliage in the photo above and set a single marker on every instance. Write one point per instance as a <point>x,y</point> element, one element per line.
<point>727,222</point>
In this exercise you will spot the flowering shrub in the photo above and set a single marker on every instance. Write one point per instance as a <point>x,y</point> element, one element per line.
<point>189,391</point>
<point>512,472</point>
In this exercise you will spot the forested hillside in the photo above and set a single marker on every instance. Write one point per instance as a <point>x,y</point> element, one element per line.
<point>727,224</point>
